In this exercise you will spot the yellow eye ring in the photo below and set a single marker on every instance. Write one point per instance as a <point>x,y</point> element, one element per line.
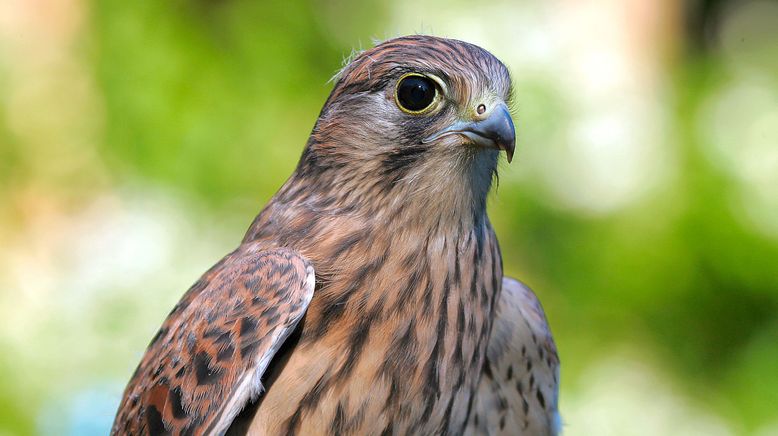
<point>416,94</point>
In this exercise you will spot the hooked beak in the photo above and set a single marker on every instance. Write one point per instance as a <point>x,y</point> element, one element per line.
<point>494,131</point>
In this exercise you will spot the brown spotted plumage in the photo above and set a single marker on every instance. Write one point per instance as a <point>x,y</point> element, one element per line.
<point>520,383</point>
<point>206,361</point>
<point>411,327</point>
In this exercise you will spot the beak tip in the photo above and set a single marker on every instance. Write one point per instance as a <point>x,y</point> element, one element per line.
<point>503,130</point>
<point>509,153</point>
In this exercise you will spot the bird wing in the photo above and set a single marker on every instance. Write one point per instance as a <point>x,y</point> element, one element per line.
<point>207,360</point>
<point>519,387</point>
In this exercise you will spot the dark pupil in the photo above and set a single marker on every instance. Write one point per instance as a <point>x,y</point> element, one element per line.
<point>415,93</point>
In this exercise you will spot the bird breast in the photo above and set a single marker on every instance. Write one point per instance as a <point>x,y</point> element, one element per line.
<point>394,339</point>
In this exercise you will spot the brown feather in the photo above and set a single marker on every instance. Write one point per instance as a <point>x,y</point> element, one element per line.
<point>213,348</point>
<point>519,391</point>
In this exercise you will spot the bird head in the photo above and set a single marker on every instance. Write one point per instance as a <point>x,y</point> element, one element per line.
<point>417,111</point>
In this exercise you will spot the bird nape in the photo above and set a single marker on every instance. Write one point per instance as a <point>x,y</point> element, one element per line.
<point>368,295</point>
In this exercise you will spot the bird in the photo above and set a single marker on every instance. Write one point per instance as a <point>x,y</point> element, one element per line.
<point>368,295</point>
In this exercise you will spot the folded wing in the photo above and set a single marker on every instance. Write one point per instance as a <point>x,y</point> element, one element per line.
<point>519,388</point>
<point>207,361</point>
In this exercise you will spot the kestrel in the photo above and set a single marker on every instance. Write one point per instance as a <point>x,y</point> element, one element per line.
<point>368,295</point>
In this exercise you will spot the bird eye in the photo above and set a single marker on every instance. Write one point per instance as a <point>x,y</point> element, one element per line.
<point>415,93</point>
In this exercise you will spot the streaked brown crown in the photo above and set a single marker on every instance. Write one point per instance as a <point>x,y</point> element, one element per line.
<point>464,66</point>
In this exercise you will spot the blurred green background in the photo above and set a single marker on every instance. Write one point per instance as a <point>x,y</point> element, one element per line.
<point>138,140</point>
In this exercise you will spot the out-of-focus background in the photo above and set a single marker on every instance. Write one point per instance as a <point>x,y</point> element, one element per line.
<point>139,138</point>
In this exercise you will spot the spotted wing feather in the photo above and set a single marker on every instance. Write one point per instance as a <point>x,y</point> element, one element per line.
<point>519,388</point>
<point>208,358</point>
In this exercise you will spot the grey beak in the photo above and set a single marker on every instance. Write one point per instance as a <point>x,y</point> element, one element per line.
<point>495,131</point>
